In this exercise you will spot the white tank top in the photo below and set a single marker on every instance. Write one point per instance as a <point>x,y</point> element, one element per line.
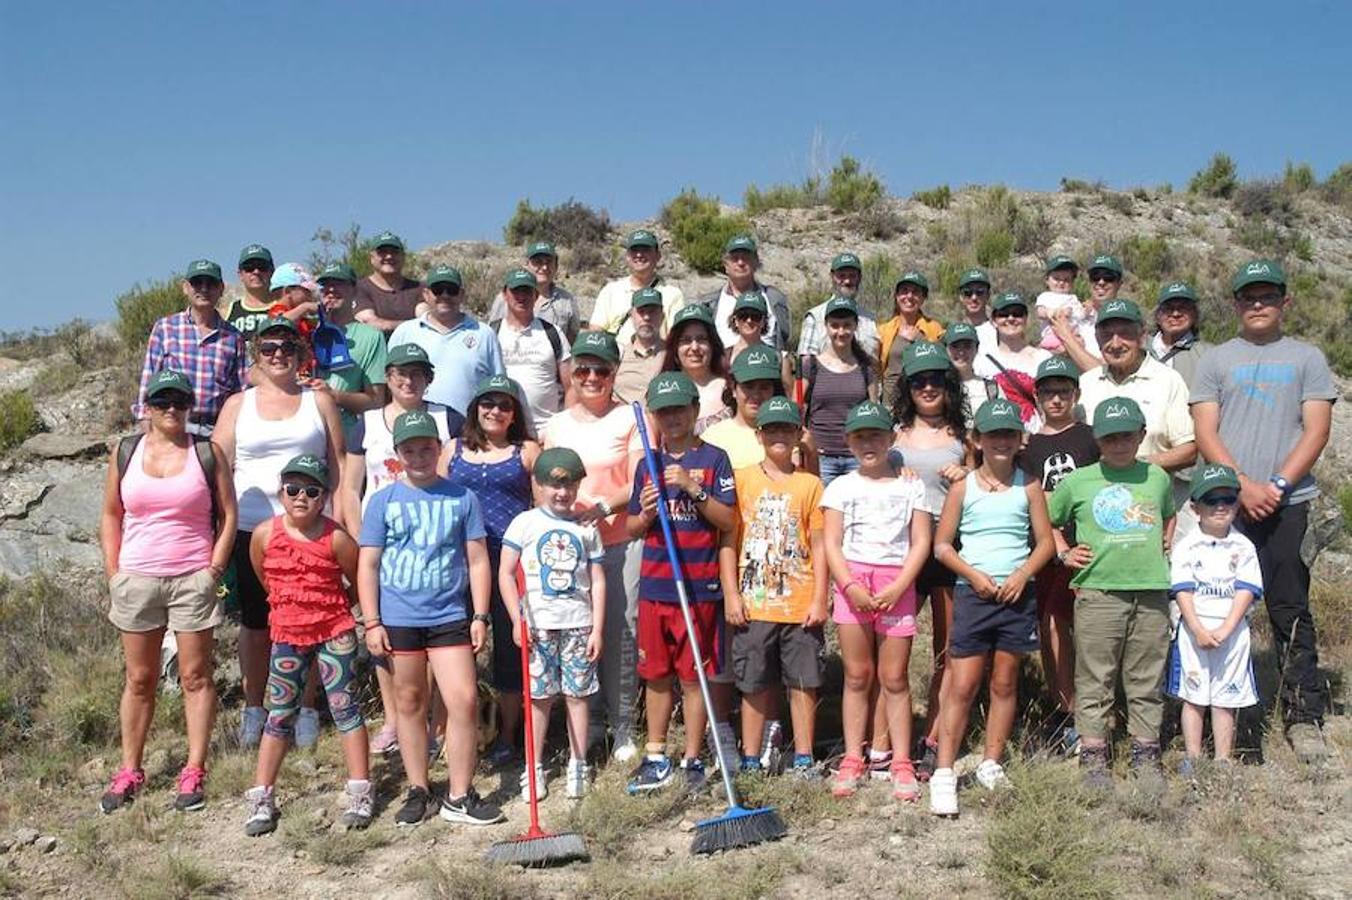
<point>377,442</point>
<point>263,446</point>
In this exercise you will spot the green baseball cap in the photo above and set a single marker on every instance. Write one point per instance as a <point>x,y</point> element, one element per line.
<point>960,331</point>
<point>498,384</point>
<point>600,344</point>
<point>1212,476</point>
<point>671,389</point>
<point>974,276</point>
<point>1177,290</point>
<point>255,252</point>
<point>387,239</point>
<point>868,415</point>
<point>277,323</point>
<point>199,267</point>
<point>337,271</point>
<point>408,355</point>
<point>414,424</point>
<point>558,465</point>
<point>1061,262</point>
<point>740,242</point>
<point>756,364</point>
<point>541,248</point>
<point>845,261</point>
<point>1117,415</point>
<point>997,415</point>
<point>1121,308</point>
<point>648,296</point>
<point>641,238</point>
<point>520,278</point>
<point>696,312</point>
<point>779,411</point>
<point>168,380</point>
<point>911,276</point>
<point>1057,367</point>
<point>753,301</point>
<point>924,356</point>
<point>444,274</point>
<point>1008,298</point>
<point>309,466</point>
<point>1258,271</point>
<point>1104,261</point>
<point>837,305</point>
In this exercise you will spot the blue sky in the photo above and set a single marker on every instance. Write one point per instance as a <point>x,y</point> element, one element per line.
<point>138,136</point>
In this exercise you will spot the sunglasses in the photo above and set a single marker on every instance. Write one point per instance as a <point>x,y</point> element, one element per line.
<point>586,369</point>
<point>1010,312</point>
<point>1047,393</point>
<point>445,290</point>
<point>271,348</point>
<point>202,282</point>
<point>1103,279</point>
<point>974,292</point>
<point>176,402</point>
<point>506,404</point>
<point>1260,300</point>
<point>1219,500</point>
<point>748,314</point>
<point>926,380</point>
<point>255,267</point>
<point>313,491</point>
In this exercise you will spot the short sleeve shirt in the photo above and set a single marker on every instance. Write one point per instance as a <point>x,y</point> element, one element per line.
<point>738,440</point>
<point>1120,514</point>
<point>366,345</point>
<point>616,299</point>
<point>528,356</point>
<point>1162,395</point>
<point>877,516</point>
<point>1212,569</point>
<point>556,557</point>
<point>774,550</point>
<point>461,357</point>
<point>399,305</point>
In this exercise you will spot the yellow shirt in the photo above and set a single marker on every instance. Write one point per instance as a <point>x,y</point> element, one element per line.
<point>736,439</point>
<point>616,299</point>
<point>774,555</point>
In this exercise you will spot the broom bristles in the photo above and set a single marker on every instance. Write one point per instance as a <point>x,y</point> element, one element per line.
<point>738,827</point>
<point>538,850</point>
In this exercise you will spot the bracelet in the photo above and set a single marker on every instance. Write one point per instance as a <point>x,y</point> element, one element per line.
<point>371,623</point>
<point>482,617</point>
<point>844,588</point>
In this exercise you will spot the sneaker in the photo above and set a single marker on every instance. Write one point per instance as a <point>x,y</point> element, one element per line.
<point>307,728</point>
<point>653,773</point>
<point>191,794</point>
<point>926,759</point>
<point>415,806</point>
<point>541,785</point>
<point>904,785</point>
<point>1187,768</point>
<point>879,765</point>
<point>751,764</point>
<point>1094,765</point>
<point>251,726</point>
<point>1145,758</point>
<point>575,784</point>
<point>262,812</point>
<point>1308,743</point>
<point>361,802</point>
<point>471,809</point>
<point>127,783</point>
<point>846,781</point>
<point>695,776</point>
<point>943,793</point>
<point>804,767</point>
<point>499,755</point>
<point>991,775</point>
<point>386,740</point>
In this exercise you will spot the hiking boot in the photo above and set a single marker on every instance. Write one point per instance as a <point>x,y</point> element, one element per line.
<point>307,728</point>
<point>127,783</point>
<point>499,755</point>
<point>415,806</point>
<point>386,740</point>
<point>852,770</point>
<point>1094,765</point>
<point>541,786</point>
<point>251,726</point>
<point>943,793</point>
<point>879,765</point>
<point>1308,743</point>
<point>471,809</point>
<point>695,776</point>
<point>361,803</point>
<point>926,757</point>
<point>575,783</point>
<point>904,786</point>
<point>262,812</point>
<point>991,775</point>
<point>191,794</point>
<point>653,773</point>
<point>1145,758</point>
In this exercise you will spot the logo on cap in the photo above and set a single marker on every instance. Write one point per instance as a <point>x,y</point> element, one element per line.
<point>668,387</point>
<point>924,349</point>
<point>417,417</point>
<point>1214,471</point>
<point>1257,268</point>
<point>1116,411</point>
<point>868,408</point>
<point>308,460</point>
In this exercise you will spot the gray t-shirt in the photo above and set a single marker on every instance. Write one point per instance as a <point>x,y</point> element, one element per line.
<point>1260,389</point>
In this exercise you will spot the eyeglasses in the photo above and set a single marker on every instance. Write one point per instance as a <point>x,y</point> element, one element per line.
<point>175,402</point>
<point>926,380</point>
<point>1219,500</point>
<point>749,315</point>
<point>271,348</point>
<point>1010,312</point>
<point>408,373</point>
<point>255,267</point>
<point>975,292</point>
<point>690,340</point>
<point>202,282</point>
<point>1061,393</point>
<point>310,490</point>
<point>505,404</point>
<point>585,369</point>
<point>1273,299</point>
<point>445,290</point>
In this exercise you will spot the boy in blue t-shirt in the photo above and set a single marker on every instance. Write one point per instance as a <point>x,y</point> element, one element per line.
<point>422,548</point>
<point>701,504</point>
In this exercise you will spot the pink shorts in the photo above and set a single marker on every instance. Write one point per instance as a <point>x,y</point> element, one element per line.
<point>899,621</point>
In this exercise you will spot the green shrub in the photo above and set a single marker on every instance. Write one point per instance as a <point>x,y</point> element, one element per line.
<point>345,247</point>
<point>880,222</point>
<point>18,419</point>
<point>1080,186</point>
<point>140,307</point>
<point>1345,505</point>
<point>783,196</point>
<point>935,198</point>
<point>851,188</point>
<point>1147,258</point>
<point>994,247</point>
<point>570,224</point>
<point>1140,193</point>
<point>1119,203</point>
<point>1218,179</point>
<point>877,282</point>
<point>1298,178</point>
<point>699,229</point>
<point>1337,188</point>
<point>1263,198</point>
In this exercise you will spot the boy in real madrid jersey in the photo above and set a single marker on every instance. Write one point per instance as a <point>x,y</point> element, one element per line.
<point>1215,578</point>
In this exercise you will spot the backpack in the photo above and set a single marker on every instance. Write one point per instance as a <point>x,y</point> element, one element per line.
<point>810,366</point>
<point>555,340</point>
<point>205,457</point>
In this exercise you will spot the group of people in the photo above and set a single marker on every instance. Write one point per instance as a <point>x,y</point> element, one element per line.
<point>330,444</point>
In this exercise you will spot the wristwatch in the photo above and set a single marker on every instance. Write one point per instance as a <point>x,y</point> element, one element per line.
<point>701,496</point>
<point>482,617</point>
<point>1061,556</point>
<point>604,507</point>
<point>1282,485</point>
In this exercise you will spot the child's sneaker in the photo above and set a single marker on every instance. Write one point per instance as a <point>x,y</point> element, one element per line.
<point>904,785</point>
<point>751,764</point>
<point>926,759</point>
<point>943,793</point>
<point>880,765</point>
<point>804,767</point>
<point>499,755</point>
<point>541,786</point>
<point>191,794</point>
<point>307,728</point>
<point>262,812</point>
<point>251,726</point>
<point>695,776</point>
<point>471,809</point>
<point>991,775</point>
<point>653,773</point>
<point>575,784</point>
<point>127,783</point>
<point>1094,765</point>
<point>1187,768</point>
<point>415,806</point>
<point>386,740</point>
<point>361,802</point>
<point>846,781</point>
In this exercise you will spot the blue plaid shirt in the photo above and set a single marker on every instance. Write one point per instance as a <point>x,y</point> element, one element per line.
<point>215,362</point>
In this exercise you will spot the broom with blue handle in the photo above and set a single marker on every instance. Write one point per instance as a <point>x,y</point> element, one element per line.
<point>738,826</point>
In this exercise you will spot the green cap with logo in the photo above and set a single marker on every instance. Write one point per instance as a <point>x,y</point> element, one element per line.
<point>255,252</point>
<point>924,356</point>
<point>408,355</point>
<point>387,239</point>
<point>670,389</point>
<point>1057,367</point>
<point>911,276</point>
<point>960,331</point>
<point>414,424</point>
<point>756,364</point>
<point>866,415</point>
<point>1177,290</point>
<point>558,465</point>
<point>740,242</point>
<point>203,267</point>
<point>1107,263</point>
<point>1117,415</point>
<point>1007,299</point>
<point>498,384</point>
<point>841,306</point>
<point>997,415</point>
<point>337,271</point>
<point>641,237</point>
<point>168,380</point>
<point>779,411</point>
<point>753,301</point>
<point>845,261</point>
<point>444,274</point>
<point>1258,271</point>
<point>309,466</point>
<point>694,312</point>
<point>277,323</point>
<point>1061,261</point>
<point>648,296</point>
<point>1211,476</point>
<point>541,248</point>
<point>974,275</point>
<point>1121,308</point>
<point>520,278</point>
<point>600,344</point>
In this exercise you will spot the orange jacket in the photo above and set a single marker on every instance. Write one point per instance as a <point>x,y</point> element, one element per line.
<point>930,329</point>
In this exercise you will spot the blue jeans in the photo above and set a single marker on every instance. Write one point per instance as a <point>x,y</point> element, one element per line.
<point>832,467</point>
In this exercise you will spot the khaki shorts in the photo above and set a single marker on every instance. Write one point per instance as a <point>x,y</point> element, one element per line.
<point>180,602</point>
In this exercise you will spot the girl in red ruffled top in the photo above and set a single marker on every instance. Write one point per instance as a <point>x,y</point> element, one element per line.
<point>301,558</point>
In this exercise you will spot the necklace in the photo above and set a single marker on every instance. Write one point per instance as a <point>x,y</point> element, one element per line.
<point>993,486</point>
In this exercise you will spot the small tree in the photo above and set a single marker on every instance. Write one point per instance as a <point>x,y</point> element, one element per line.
<point>1218,179</point>
<point>140,307</point>
<point>699,229</point>
<point>851,188</point>
<point>344,247</point>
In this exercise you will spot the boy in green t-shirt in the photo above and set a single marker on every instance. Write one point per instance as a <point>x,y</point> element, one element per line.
<point>1123,512</point>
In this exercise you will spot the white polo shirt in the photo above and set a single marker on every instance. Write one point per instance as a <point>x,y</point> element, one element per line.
<point>1162,395</point>
<point>616,299</point>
